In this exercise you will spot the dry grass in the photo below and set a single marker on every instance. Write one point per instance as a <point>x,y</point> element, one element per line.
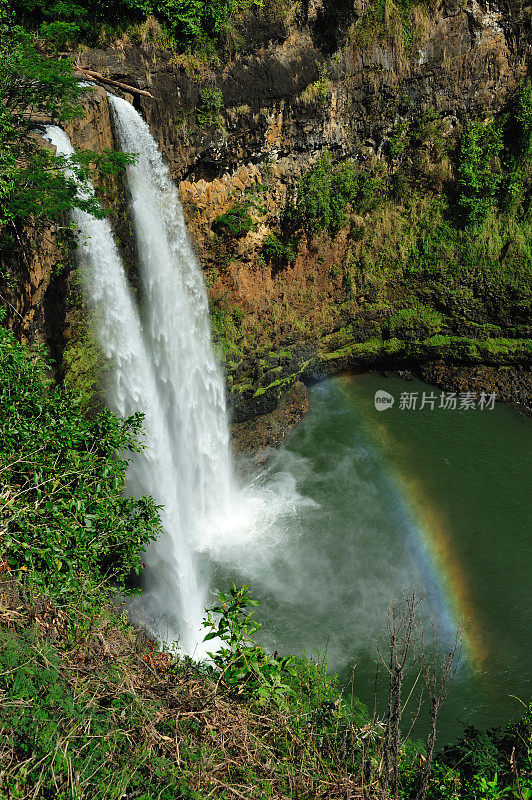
<point>423,22</point>
<point>223,745</point>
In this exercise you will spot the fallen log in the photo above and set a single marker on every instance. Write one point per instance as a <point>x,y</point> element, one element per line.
<point>95,76</point>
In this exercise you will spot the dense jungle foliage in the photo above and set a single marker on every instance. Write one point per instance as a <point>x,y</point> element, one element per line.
<point>64,516</point>
<point>187,21</point>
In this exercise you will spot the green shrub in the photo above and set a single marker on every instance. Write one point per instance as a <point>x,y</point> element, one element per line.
<point>189,22</point>
<point>235,223</point>
<point>82,365</point>
<point>60,23</point>
<point>318,91</point>
<point>193,21</point>
<point>520,161</point>
<point>490,764</point>
<point>243,664</point>
<point>276,252</point>
<point>327,189</point>
<point>399,139</point>
<point>479,170</point>
<point>319,204</point>
<point>209,107</point>
<point>183,18</point>
<point>65,517</point>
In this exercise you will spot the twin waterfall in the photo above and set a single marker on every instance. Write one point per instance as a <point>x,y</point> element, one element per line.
<point>160,362</point>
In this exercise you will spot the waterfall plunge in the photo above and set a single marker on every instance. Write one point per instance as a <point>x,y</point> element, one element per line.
<point>161,363</point>
<point>189,380</point>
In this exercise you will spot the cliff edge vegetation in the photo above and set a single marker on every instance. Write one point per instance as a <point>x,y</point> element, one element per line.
<point>93,708</point>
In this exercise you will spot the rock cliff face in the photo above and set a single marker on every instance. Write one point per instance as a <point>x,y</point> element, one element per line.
<point>470,57</point>
<point>295,88</point>
<point>245,130</point>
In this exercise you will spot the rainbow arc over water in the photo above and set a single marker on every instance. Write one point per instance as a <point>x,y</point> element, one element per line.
<point>438,546</point>
<point>433,537</point>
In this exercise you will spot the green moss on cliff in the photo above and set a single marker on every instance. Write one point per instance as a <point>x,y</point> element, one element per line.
<point>459,349</point>
<point>82,363</point>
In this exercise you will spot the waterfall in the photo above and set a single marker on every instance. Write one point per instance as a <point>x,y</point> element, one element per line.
<point>177,328</point>
<point>160,362</point>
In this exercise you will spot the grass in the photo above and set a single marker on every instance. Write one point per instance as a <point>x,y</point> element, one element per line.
<point>394,251</point>
<point>93,709</point>
<point>90,708</point>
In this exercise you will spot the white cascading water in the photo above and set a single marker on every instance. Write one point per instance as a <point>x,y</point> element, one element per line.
<point>177,329</point>
<point>190,383</point>
<point>161,363</point>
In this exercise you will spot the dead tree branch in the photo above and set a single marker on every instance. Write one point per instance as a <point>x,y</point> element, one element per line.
<point>96,76</point>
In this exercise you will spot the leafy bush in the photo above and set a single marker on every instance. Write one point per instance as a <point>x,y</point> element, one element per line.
<point>320,205</point>
<point>243,664</point>
<point>195,21</point>
<point>326,190</point>
<point>276,252</point>
<point>189,22</point>
<point>520,162</point>
<point>59,23</point>
<point>210,105</point>
<point>318,91</point>
<point>235,223</point>
<point>479,170</point>
<point>183,17</point>
<point>489,764</point>
<point>65,517</point>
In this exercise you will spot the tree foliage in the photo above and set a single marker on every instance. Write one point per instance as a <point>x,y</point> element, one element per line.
<point>479,169</point>
<point>64,22</point>
<point>34,183</point>
<point>65,517</point>
<point>234,223</point>
<point>325,191</point>
<point>520,162</point>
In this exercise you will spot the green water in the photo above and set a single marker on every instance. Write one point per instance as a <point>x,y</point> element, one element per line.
<point>361,505</point>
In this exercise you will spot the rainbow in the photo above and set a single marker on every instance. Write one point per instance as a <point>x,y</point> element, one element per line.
<point>435,540</point>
